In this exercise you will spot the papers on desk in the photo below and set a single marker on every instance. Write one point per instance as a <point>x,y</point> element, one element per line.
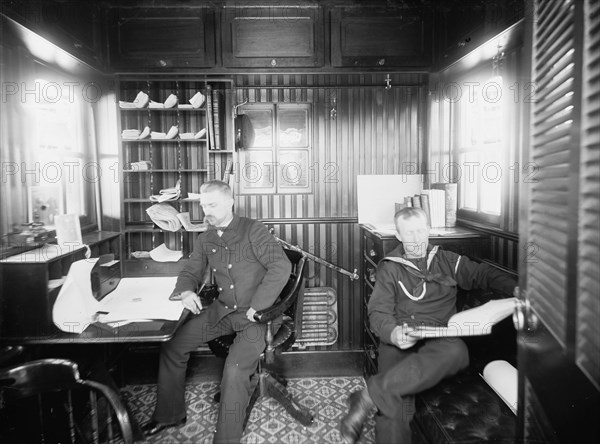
<point>134,300</point>
<point>140,299</point>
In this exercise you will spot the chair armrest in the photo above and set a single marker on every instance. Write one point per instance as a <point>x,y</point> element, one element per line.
<point>278,309</point>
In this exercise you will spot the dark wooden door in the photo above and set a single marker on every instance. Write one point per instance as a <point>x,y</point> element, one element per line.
<point>559,333</point>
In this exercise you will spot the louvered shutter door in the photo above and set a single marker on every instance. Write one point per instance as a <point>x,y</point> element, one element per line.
<point>553,139</point>
<point>588,301</point>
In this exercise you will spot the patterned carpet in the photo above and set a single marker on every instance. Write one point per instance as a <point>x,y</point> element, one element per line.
<point>269,422</point>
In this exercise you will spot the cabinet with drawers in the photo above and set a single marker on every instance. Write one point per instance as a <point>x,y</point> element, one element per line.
<point>375,246</point>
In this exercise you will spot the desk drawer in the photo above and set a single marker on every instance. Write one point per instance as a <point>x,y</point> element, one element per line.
<point>373,249</point>
<point>369,272</point>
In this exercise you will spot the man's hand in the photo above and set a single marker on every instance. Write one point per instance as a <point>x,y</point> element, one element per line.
<point>516,292</point>
<point>401,339</point>
<point>191,301</point>
<point>250,314</point>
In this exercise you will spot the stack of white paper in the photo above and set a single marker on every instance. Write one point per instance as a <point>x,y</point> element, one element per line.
<point>134,299</point>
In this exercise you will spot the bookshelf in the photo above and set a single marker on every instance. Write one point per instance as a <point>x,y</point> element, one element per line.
<point>160,161</point>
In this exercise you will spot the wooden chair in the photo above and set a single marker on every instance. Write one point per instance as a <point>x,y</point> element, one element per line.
<point>288,305</point>
<point>67,408</point>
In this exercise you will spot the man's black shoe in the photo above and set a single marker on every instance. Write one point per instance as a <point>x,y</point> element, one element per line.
<point>360,406</point>
<point>152,427</point>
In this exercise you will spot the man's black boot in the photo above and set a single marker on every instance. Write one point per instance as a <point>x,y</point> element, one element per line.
<point>351,426</point>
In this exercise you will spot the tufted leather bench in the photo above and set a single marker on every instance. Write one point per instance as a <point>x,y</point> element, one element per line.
<point>464,409</point>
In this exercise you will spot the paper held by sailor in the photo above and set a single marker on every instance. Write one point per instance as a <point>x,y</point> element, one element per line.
<point>473,322</point>
<point>134,299</point>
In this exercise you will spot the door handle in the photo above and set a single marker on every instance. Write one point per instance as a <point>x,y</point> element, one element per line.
<point>524,317</point>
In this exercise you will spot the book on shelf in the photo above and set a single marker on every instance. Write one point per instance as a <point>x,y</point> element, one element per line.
<point>217,110</point>
<point>209,118</point>
<point>450,201</point>
<point>425,205</point>
<point>437,207</point>
<point>476,321</point>
<point>228,173</point>
<point>416,201</point>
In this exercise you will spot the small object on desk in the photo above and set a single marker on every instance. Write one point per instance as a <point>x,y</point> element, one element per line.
<point>140,254</point>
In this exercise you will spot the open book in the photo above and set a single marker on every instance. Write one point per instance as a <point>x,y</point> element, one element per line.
<point>473,322</point>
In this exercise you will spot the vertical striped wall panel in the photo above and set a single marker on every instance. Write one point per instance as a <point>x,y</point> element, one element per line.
<point>376,131</point>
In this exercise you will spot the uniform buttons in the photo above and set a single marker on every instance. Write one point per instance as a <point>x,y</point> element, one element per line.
<point>214,270</point>
<point>220,289</point>
<point>231,286</point>
<point>229,266</point>
<point>214,251</point>
<point>226,248</point>
<point>235,307</point>
<point>226,306</point>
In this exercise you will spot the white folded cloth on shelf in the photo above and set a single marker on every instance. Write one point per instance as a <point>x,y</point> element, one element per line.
<point>165,216</point>
<point>145,133</point>
<point>140,101</point>
<point>167,194</point>
<point>130,134</point>
<point>170,102</point>
<point>135,134</point>
<point>197,100</point>
<point>155,105</point>
<point>191,136</point>
<point>165,136</point>
<point>142,165</point>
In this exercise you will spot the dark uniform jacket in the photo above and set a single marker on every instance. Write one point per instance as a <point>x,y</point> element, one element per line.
<point>405,294</point>
<point>248,264</point>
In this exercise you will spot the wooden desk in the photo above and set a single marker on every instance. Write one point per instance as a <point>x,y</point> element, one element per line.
<point>152,331</point>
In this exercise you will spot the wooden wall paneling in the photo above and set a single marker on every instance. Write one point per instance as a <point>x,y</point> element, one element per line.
<point>372,134</point>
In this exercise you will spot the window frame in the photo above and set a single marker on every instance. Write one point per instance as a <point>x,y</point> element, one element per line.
<point>277,149</point>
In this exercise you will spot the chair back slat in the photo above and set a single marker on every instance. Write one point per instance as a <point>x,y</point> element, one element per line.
<point>53,388</point>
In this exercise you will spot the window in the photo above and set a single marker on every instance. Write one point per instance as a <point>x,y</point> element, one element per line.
<point>48,146</point>
<point>481,149</point>
<point>278,157</point>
